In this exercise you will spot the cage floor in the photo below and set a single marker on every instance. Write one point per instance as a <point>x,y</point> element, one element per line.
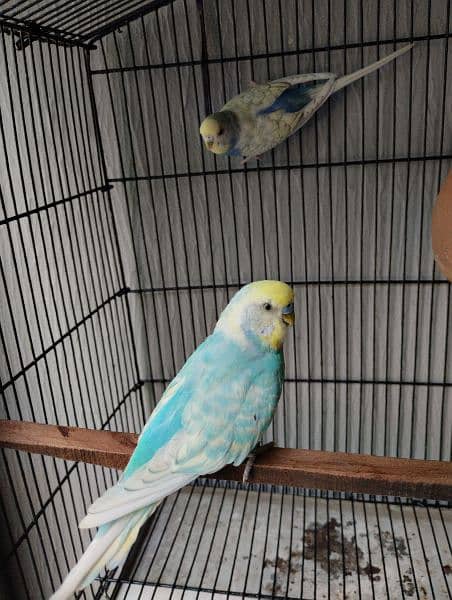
<point>216,541</point>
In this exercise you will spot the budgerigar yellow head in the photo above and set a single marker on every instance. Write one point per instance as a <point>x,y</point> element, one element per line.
<point>219,132</point>
<point>262,309</point>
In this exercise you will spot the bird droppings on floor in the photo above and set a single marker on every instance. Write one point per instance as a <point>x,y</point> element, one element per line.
<point>322,541</point>
<point>393,544</point>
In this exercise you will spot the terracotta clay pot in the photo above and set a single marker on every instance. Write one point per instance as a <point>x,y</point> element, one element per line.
<point>442,228</point>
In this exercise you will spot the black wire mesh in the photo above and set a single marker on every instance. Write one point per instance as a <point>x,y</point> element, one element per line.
<point>341,211</point>
<point>69,355</point>
<point>284,543</point>
<point>121,241</point>
<point>67,22</point>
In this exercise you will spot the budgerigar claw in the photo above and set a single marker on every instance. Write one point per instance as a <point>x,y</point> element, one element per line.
<point>252,458</point>
<point>248,466</point>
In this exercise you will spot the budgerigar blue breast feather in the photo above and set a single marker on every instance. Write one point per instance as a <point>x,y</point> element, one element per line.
<point>265,115</point>
<point>212,414</point>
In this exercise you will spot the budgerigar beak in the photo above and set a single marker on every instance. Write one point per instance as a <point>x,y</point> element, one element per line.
<point>288,315</point>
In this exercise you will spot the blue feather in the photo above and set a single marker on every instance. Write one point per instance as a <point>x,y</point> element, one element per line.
<point>234,151</point>
<point>293,99</point>
<point>217,358</point>
<point>163,425</point>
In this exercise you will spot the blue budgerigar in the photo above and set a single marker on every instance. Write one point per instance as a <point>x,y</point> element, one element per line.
<point>213,413</point>
<point>265,115</point>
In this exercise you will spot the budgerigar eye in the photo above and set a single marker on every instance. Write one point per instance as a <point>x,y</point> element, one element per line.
<point>267,306</point>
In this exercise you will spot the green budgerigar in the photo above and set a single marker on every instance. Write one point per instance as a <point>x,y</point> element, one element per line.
<point>265,115</point>
<point>212,414</point>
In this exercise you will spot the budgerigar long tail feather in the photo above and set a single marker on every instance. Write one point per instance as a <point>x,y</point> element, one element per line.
<point>109,548</point>
<point>342,82</point>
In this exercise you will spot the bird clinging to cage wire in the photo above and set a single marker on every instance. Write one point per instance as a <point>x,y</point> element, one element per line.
<point>265,115</point>
<point>213,413</point>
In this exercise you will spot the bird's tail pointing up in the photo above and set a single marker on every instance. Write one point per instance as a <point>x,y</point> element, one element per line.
<point>109,549</point>
<point>348,79</point>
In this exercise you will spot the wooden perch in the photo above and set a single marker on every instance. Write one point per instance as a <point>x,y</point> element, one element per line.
<point>337,471</point>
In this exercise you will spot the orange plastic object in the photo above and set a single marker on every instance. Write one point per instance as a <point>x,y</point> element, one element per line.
<point>442,228</point>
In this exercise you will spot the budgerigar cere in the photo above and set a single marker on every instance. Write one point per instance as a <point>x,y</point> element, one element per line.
<point>213,413</point>
<point>265,115</point>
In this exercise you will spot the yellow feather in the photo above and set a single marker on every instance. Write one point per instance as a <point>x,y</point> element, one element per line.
<point>276,338</point>
<point>209,127</point>
<point>276,291</point>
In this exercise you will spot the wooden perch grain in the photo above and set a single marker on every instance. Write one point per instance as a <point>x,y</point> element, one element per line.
<point>280,466</point>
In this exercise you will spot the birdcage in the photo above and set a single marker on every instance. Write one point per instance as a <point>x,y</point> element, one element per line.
<point>122,239</point>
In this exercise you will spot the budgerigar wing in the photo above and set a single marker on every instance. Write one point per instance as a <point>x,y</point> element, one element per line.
<point>192,432</point>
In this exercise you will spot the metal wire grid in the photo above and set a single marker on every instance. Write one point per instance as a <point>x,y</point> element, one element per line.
<point>68,22</point>
<point>65,325</point>
<point>370,368</point>
<point>282,543</point>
